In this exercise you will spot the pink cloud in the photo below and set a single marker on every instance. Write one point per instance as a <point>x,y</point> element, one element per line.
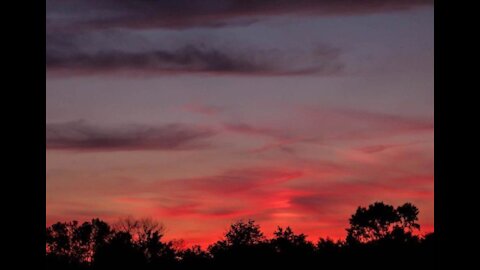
<point>314,196</point>
<point>233,181</point>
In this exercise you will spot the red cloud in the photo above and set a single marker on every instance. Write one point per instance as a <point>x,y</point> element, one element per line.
<point>233,181</point>
<point>312,196</point>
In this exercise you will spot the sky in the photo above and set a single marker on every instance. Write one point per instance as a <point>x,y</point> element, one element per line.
<point>202,113</point>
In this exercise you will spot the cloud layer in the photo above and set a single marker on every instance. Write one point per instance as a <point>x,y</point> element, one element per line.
<point>64,56</point>
<point>89,14</point>
<point>300,151</point>
<point>82,136</point>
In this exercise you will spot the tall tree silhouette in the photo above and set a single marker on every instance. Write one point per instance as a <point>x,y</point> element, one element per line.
<point>382,221</point>
<point>292,250</point>
<point>147,236</point>
<point>244,234</point>
<point>119,253</point>
<point>72,243</point>
<point>408,214</point>
<point>243,245</point>
<point>194,257</point>
<point>287,242</point>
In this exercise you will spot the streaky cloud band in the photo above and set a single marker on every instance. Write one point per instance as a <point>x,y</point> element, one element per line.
<point>82,136</point>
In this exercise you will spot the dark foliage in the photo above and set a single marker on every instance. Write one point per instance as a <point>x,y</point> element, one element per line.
<point>379,237</point>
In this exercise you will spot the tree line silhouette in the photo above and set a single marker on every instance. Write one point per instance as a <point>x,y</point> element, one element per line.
<point>380,236</point>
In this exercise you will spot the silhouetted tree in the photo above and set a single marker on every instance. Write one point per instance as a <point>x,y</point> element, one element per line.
<point>408,214</point>
<point>194,257</point>
<point>140,229</point>
<point>146,237</point>
<point>330,252</point>
<point>119,253</point>
<point>381,221</point>
<point>76,244</point>
<point>244,234</point>
<point>291,249</point>
<point>286,241</point>
<point>380,236</point>
<point>329,246</point>
<point>243,245</point>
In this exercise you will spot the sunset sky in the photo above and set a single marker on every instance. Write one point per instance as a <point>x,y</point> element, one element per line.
<point>202,113</point>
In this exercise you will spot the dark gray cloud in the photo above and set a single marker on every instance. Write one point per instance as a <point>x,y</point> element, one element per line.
<point>187,59</point>
<point>64,55</point>
<point>95,14</point>
<point>316,202</point>
<point>77,32</point>
<point>82,136</point>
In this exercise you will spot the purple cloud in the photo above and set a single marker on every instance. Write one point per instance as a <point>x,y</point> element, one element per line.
<point>90,14</point>
<point>82,136</point>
